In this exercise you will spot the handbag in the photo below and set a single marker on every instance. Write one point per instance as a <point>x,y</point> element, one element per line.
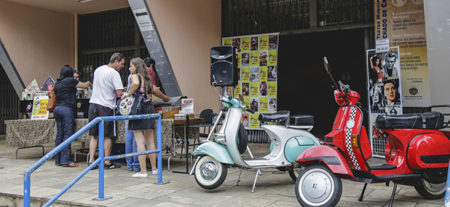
<point>51,101</point>
<point>129,105</point>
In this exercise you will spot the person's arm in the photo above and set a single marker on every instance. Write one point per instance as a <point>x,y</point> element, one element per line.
<point>160,94</point>
<point>83,84</point>
<point>371,63</point>
<point>133,86</point>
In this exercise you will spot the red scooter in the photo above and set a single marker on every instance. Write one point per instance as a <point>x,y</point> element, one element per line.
<point>417,153</point>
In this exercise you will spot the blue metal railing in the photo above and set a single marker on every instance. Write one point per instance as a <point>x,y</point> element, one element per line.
<point>100,159</point>
<point>447,192</point>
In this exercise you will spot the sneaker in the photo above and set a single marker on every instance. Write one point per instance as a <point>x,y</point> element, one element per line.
<point>112,166</point>
<point>139,175</point>
<point>154,172</point>
<point>95,167</point>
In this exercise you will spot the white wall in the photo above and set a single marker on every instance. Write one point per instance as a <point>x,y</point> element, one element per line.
<point>188,30</point>
<point>38,41</point>
<point>437,23</point>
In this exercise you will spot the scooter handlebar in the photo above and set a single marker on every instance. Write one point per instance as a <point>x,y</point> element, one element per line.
<point>249,110</point>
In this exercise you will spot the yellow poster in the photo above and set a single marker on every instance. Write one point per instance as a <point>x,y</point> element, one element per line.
<point>254,86</point>
<point>245,89</point>
<point>263,105</point>
<point>254,104</point>
<point>245,74</point>
<point>254,58</point>
<point>263,73</point>
<point>247,102</point>
<point>238,59</point>
<point>254,122</point>
<point>403,23</point>
<point>273,58</point>
<point>245,44</point>
<point>263,88</point>
<point>245,59</point>
<point>272,89</point>
<point>263,42</point>
<point>237,90</point>
<point>245,120</point>
<point>227,41</point>
<point>263,58</point>
<point>40,108</point>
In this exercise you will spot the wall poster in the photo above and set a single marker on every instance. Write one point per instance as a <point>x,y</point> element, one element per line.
<point>384,88</point>
<point>403,23</point>
<point>258,68</point>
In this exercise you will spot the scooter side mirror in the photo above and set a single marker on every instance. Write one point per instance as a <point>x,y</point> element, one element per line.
<point>328,69</point>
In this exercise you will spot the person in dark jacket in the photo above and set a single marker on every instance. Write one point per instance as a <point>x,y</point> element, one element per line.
<point>64,112</point>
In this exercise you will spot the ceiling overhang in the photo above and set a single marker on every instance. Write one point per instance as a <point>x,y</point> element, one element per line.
<point>75,6</point>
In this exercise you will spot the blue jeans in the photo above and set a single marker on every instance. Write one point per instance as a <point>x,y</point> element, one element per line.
<point>130,147</point>
<point>65,121</point>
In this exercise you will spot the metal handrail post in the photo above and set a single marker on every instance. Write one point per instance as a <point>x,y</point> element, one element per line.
<point>447,192</point>
<point>159,148</point>
<point>27,174</point>
<point>101,167</point>
<point>26,189</point>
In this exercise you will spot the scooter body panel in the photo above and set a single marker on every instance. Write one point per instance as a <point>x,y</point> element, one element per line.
<point>347,136</point>
<point>214,150</point>
<point>233,119</point>
<point>285,142</point>
<point>296,145</point>
<point>327,155</point>
<point>421,150</point>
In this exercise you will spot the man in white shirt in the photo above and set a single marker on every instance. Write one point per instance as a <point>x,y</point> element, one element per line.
<point>106,84</point>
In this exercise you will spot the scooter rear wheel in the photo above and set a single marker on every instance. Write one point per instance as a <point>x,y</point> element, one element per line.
<point>294,172</point>
<point>210,173</point>
<point>429,190</point>
<point>317,186</point>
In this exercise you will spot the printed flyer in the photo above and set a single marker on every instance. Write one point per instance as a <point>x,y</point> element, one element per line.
<point>258,67</point>
<point>40,102</point>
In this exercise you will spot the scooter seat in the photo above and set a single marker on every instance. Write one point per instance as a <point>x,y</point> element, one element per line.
<point>280,116</point>
<point>302,120</point>
<point>428,120</point>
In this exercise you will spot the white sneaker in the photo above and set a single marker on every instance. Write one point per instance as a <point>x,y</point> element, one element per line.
<point>154,172</point>
<point>139,175</point>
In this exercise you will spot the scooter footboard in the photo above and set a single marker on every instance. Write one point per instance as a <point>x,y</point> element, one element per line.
<point>327,156</point>
<point>214,150</point>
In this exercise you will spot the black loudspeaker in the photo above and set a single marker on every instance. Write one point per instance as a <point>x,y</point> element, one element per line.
<point>224,66</point>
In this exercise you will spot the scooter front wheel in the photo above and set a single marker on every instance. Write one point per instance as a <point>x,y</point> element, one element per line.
<point>429,190</point>
<point>210,173</point>
<point>317,186</point>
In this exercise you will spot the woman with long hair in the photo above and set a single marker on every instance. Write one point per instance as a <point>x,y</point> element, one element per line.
<point>64,112</point>
<point>142,85</point>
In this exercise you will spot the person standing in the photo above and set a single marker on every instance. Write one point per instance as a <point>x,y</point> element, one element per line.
<point>130,143</point>
<point>64,112</point>
<point>107,83</point>
<point>141,85</point>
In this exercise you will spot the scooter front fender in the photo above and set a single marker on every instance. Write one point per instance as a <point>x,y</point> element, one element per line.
<point>214,150</point>
<point>327,156</point>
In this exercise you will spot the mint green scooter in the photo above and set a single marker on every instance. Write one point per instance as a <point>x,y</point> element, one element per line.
<point>287,142</point>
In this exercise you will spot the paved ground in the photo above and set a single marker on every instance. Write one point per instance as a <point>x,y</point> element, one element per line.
<point>272,189</point>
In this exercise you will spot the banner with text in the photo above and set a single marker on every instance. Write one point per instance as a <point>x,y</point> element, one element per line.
<point>402,22</point>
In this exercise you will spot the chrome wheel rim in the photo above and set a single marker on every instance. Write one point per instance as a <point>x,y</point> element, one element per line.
<point>208,170</point>
<point>316,187</point>
<point>434,188</point>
